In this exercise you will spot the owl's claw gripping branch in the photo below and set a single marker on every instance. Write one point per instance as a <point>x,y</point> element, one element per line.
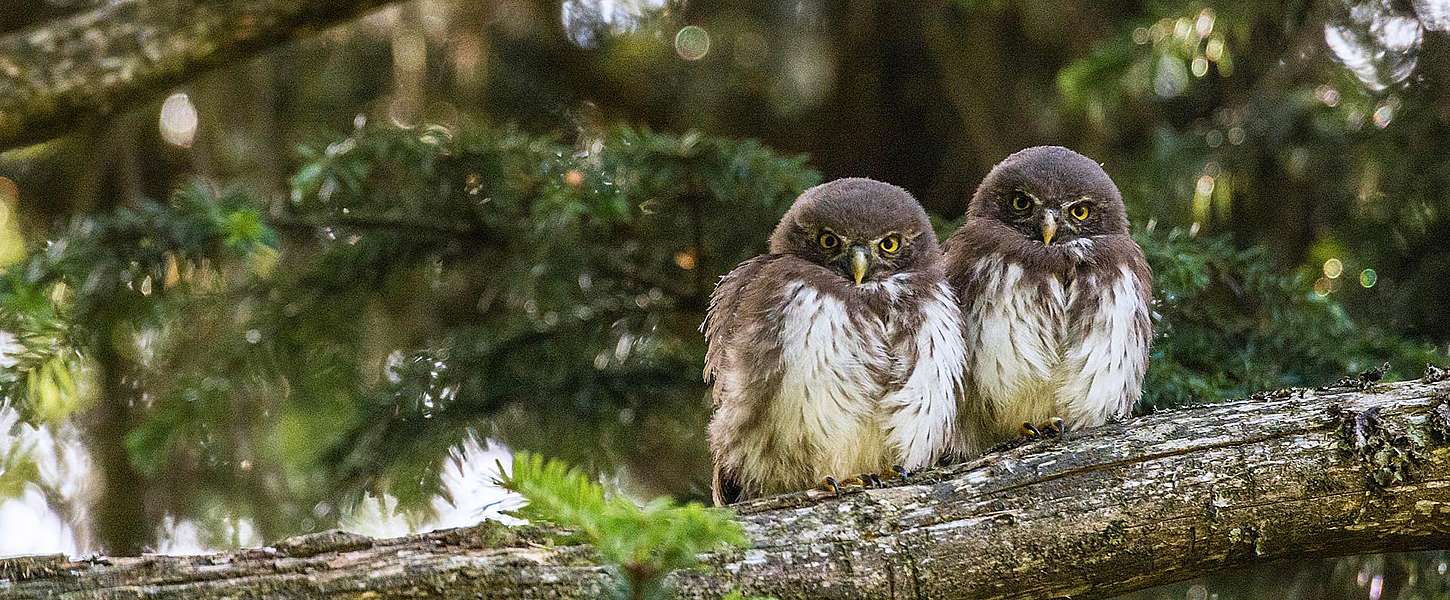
<point>840,487</point>
<point>865,481</point>
<point>829,485</point>
<point>860,482</point>
<point>1050,428</point>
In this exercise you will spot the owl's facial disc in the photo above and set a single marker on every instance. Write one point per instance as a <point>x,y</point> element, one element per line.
<point>873,256</point>
<point>1050,220</point>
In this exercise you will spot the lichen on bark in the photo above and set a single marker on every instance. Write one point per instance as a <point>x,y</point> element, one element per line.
<point>1301,473</point>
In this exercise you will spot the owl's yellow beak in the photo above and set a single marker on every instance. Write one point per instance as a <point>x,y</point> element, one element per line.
<point>1049,227</point>
<point>859,264</point>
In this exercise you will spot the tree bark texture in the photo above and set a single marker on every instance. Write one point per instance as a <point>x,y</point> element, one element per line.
<point>1350,469</point>
<point>86,66</point>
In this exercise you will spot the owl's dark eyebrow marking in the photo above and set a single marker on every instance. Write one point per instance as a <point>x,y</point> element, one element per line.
<point>817,230</point>
<point>1028,194</point>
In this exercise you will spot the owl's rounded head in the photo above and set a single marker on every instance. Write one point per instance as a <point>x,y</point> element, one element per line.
<point>863,229</point>
<point>1051,195</point>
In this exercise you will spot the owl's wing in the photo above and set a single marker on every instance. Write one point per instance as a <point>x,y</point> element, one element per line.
<point>724,488</point>
<point>922,412</point>
<point>741,364</point>
<point>962,260</point>
<point>723,316</point>
<point>1112,331</point>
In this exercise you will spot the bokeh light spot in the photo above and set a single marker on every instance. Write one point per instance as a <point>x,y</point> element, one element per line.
<point>1333,268</point>
<point>685,259</point>
<point>1202,197</point>
<point>1383,115</point>
<point>12,245</point>
<point>1367,278</point>
<point>1205,185</point>
<point>1204,24</point>
<point>178,120</point>
<point>1170,79</point>
<point>1213,50</point>
<point>1199,66</point>
<point>692,42</point>
<point>1236,135</point>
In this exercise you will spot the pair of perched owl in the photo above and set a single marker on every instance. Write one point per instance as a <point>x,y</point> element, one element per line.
<point>857,346</point>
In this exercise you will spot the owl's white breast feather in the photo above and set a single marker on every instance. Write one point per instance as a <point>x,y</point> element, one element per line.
<point>1013,347</point>
<point>1039,349</point>
<point>920,416</point>
<point>825,405</point>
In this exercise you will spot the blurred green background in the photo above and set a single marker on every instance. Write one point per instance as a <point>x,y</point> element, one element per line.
<point>330,285</point>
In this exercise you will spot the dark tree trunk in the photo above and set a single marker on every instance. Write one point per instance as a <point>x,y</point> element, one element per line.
<point>84,67</point>
<point>119,519</point>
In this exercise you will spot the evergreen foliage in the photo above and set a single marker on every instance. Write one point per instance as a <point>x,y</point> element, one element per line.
<point>644,543</point>
<point>336,319</point>
<point>1228,323</point>
<point>422,285</point>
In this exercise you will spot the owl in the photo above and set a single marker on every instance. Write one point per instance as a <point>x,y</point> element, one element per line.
<point>837,354</point>
<point>1055,300</point>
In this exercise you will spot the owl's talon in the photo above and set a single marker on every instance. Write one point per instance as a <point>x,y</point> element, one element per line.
<point>1050,428</point>
<point>830,485</point>
<point>868,480</point>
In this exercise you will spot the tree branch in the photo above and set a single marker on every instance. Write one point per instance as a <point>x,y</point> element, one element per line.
<point>1158,499</point>
<point>89,65</point>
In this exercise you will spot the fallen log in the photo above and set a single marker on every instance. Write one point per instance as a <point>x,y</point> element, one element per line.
<point>1352,469</point>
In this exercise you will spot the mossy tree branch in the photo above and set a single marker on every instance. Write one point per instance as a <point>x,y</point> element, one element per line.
<point>87,66</point>
<point>1344,470</point>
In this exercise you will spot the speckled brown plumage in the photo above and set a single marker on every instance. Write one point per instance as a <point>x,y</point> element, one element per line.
<point>1053,329</point>
<point>814,374</point>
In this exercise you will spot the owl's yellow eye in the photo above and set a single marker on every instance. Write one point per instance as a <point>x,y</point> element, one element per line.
<point>1079,212</point>
<point>1020,202</point>
<point>889,244</point>
<point>828,240</point>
